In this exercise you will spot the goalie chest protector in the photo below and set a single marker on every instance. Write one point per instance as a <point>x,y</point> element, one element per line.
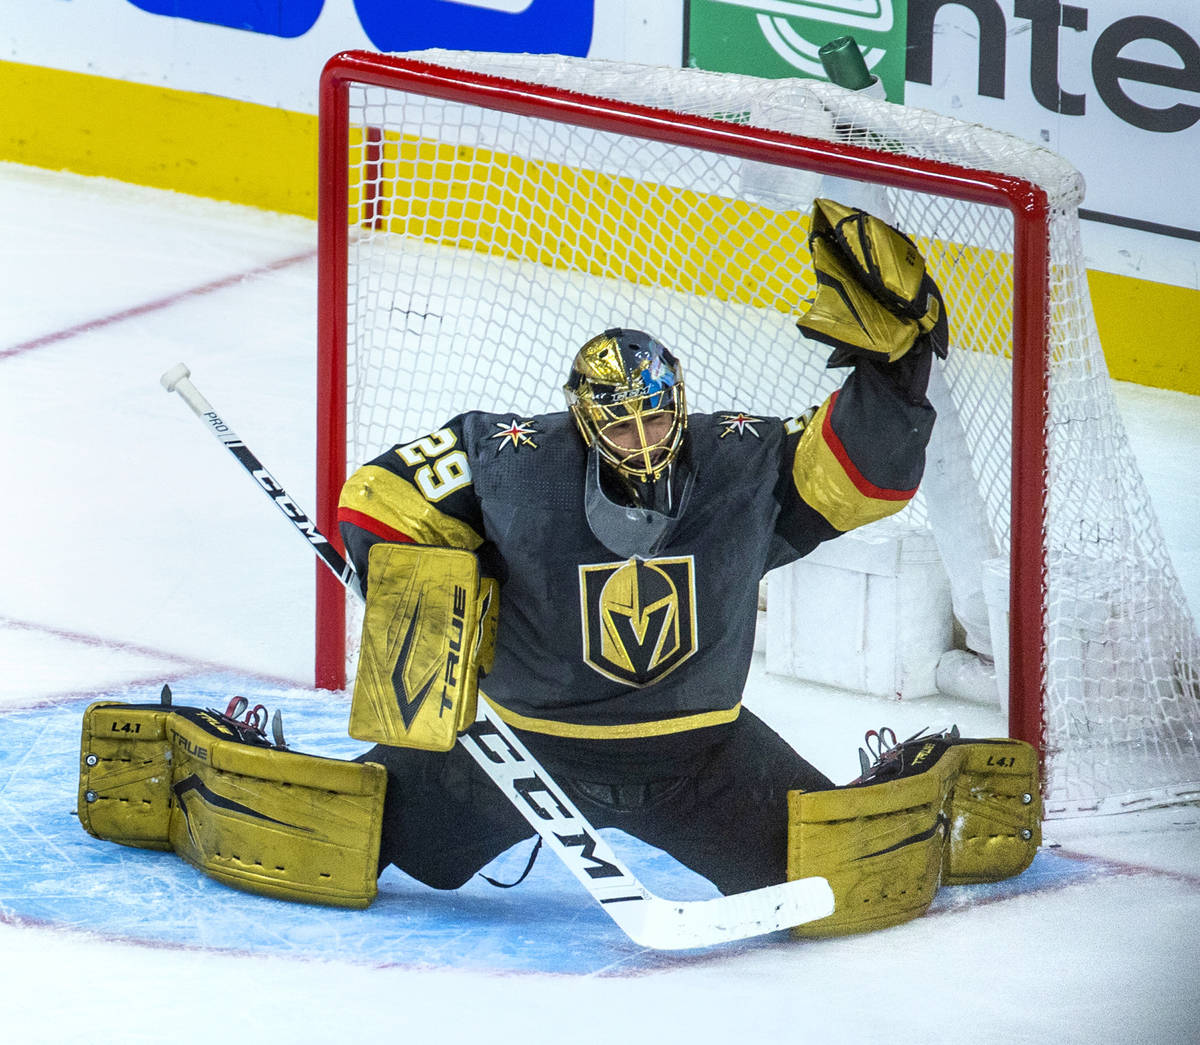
<point>641,646</point>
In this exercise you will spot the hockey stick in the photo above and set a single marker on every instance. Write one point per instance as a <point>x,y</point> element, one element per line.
<point>648,920</point>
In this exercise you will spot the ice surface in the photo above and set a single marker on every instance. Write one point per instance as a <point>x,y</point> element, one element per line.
<point>138,554</point>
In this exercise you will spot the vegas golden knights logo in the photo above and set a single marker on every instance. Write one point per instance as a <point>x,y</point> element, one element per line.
<point>639,617</point>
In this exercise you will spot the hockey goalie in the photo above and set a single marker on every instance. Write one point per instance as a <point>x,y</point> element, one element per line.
<point>593,576</point>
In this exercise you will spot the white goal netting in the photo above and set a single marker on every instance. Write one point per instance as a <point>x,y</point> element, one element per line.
<point>486,243</point>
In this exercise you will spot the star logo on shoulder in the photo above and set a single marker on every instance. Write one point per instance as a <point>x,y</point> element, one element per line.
<point>515,434</point>
<point>741,424</point>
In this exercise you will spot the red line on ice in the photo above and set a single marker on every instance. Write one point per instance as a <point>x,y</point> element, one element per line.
<point>1127,867</point>
<point>154,306</point>
<point>186,665</point>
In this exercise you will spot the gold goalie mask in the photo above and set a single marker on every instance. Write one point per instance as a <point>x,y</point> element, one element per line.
<point>625,392</point>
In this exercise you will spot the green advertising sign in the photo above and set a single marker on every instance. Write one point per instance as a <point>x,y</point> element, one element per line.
<point>777,38</point>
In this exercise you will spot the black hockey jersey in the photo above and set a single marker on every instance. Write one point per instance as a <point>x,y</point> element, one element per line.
<point>593,647</point>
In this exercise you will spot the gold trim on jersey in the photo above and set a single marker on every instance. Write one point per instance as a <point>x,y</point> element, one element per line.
<point>624,731</point>
<point>394,501</point>
<point>829,482</point>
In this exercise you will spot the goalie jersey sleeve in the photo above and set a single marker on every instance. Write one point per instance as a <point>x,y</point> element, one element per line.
<point>591,647</point>
<point>419,492</point>
<point>860,458</point>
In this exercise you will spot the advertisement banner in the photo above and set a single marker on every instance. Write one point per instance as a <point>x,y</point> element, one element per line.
<point>497,25</point>
<point>271,53</point>
<point>780,38</point>
<point>1112,85</point>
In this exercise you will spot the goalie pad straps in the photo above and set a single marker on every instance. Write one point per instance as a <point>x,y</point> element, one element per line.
<point>417,680</point>
<point>274,822</point>
<point>874,298</point>
<point>962,811</point>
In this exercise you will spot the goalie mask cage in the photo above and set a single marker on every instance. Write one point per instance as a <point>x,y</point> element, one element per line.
<point>482,215</point>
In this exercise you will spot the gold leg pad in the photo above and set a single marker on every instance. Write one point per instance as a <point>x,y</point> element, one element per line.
<point>879,847</point>
<point>125,774</point>
<point>291,826</point>
<point>971,813</point>
<point>995,812</point>
<point>260,818</point>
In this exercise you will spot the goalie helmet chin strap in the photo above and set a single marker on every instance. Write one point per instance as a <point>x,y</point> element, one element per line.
<point>629,530</point>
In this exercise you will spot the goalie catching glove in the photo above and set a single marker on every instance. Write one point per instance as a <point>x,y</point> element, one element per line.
<point>874,298</point>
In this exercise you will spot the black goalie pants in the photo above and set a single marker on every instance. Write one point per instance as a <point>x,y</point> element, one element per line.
<point>724,815</point>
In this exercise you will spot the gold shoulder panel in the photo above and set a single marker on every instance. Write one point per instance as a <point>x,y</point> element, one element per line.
<point>394,501</point>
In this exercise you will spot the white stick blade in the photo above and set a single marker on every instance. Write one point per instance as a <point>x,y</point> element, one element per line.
<point>672,926</point>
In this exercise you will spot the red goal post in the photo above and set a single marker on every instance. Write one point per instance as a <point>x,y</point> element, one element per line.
<point>395,185</point>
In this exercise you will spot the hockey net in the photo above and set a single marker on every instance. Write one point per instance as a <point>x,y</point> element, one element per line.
<point>483,215</point>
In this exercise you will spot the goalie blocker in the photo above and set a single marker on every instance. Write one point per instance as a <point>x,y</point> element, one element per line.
<point>428,627</point>
<point>243,811</point>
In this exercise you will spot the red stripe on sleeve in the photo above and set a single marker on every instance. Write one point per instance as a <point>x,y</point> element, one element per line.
<point>860,481</point>
<point>372,526</point>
